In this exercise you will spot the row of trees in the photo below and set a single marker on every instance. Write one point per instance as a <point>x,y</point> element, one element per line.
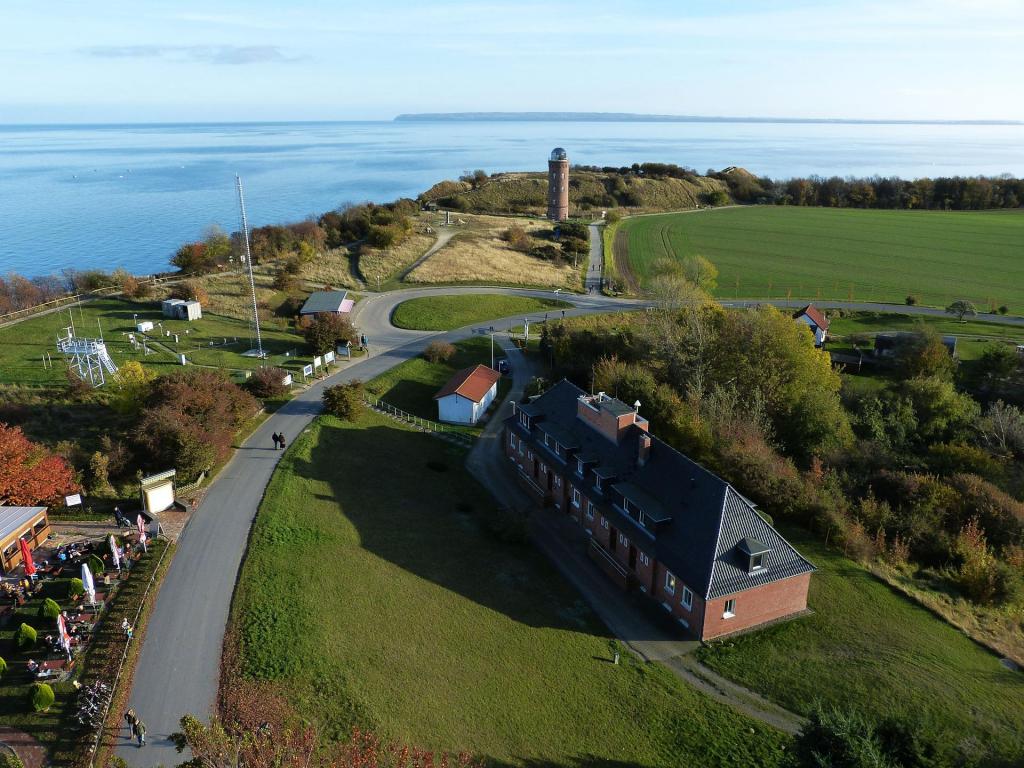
<point>957,193</point>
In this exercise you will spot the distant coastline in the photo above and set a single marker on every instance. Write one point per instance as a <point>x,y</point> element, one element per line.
<point>630,117</point>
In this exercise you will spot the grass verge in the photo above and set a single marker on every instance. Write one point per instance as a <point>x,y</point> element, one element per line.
<point>428,629</point>
<point>443,313</point>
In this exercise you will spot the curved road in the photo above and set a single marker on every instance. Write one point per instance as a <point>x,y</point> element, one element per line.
<point>178,669</point>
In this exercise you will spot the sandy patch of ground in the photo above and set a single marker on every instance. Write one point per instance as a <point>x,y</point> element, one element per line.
<point>477,254</point>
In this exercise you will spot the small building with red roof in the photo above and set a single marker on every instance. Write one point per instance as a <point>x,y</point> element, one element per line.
<point>467,395</point>
<point>815,319</point>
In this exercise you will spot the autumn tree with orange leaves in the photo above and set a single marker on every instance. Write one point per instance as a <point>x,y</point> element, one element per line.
<point>29,474</point>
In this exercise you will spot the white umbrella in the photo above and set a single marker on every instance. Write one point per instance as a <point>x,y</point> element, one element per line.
<point>114,553</point>
<point>87,582</point>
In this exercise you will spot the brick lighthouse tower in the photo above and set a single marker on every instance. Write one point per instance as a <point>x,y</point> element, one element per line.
<point>558,185</point>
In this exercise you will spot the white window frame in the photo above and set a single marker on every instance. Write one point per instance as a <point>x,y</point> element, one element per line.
<point>670,583</point>
<point>604,521</point>
<point>576,496</point>
<point>512,439</point>
<point>579,467</point>
<point>590,510</point>
<point>757,562</point>
<point>730,608</point>
<point>644,560</point>
<point>687,598</point>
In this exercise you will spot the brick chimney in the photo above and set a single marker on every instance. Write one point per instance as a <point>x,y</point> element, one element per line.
<point>611,417</point>
<point>643,451</point>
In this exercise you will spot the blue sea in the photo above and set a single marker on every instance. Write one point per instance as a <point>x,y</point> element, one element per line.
<point>89,196</point>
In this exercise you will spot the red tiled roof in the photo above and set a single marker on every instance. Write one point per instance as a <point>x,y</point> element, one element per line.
<point>472,383</point>
<point>816,315</point>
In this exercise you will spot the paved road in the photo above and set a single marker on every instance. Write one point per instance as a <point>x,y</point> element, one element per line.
<point>595,267</point>
<point>178,669</point>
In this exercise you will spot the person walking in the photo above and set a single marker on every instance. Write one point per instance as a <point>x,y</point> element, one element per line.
<point>130,719</point>
<point>280,439</point>
<point>277,439</point>
<point>140,732</point>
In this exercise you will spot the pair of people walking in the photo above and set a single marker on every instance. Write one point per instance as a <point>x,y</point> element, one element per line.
<point>278,438</point>
<point>136,728</point>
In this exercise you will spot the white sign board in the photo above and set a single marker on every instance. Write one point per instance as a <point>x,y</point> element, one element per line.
<point>307,370</point>
<point>328,357</point>
<point>317,362</point>
<point>287,380</point>
<point>73,500</point>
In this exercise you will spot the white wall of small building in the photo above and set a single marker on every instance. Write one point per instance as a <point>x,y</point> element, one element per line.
<point>819,335</point>
<point>456,409</point>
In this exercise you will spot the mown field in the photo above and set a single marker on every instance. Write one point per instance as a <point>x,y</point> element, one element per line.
<point>869,648</point>
<point>442,313</point>
<point>373,593</point>
<point>841,254</point>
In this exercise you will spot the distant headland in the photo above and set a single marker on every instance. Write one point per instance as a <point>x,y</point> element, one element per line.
<point>631,117</point>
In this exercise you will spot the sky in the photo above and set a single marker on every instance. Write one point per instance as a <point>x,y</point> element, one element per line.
<point>152,61</point>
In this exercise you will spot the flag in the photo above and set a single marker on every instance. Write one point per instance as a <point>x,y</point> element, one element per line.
<point>114,553</point>
<point>87,582</point>
<point>26,558</point>
<point>62,634</point>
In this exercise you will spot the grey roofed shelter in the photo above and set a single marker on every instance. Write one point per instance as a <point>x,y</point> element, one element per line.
<point>14,519</point>
<point>324,301</point>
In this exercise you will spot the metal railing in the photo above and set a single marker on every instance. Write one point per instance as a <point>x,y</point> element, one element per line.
<point>424,425</point>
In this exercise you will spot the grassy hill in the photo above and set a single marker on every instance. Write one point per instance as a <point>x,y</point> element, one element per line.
<point>588,190</point>
<point>841,254</point>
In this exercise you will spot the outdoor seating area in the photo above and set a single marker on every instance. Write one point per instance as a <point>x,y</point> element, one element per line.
<point>52,602</point>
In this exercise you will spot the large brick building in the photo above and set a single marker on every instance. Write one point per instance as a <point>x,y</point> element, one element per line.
<point>658,521</point>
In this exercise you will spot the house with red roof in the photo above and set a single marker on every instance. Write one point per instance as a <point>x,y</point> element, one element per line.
<point>815,319</point>
<point>467,395</point>
<point>657,522</point>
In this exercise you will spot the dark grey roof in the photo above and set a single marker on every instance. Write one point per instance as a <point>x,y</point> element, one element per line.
<point>323,301</point>
<point>564,437</point>
<point>752,547</point>
<point>697,520</point>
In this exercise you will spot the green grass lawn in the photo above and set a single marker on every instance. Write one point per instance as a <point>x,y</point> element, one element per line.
<point>412,385</point>
<point>22,346</point>
<point>443,313</point>
<point>973,336</point>
<point>843,254</point>
<point>373,594</point>
<point>870,648</point>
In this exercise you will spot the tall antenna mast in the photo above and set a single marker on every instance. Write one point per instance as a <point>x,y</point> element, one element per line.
<point>248,263</point>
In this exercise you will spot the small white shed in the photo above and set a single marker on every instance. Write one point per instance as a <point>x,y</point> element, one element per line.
<point>467,395</point>
<point>179,309</point>
<point>814,319</point>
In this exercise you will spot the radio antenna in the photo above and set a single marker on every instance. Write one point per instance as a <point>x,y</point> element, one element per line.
<point>248,263</point>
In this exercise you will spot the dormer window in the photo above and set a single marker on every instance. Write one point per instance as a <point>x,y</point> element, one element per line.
<point>579,467</point>
<point>524,419</point>
<point>752,554</point>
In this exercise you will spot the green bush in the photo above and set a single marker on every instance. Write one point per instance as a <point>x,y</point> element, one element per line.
<point>41,696</point>
<point>75,588</point>
<point>96,565</point>
<point>49,609</point>
<point>10,760</point>
<point>345,400</point>
<point>25,637</point>
<point>3,669</point>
